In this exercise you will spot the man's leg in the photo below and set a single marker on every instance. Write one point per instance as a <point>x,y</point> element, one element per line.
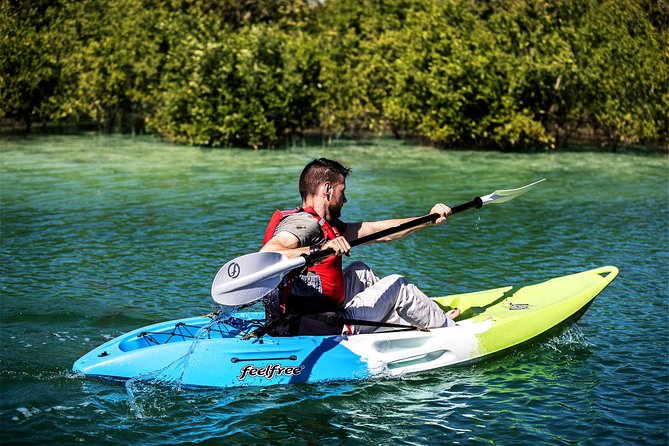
<point>358,277</point>
<point>393,299</point>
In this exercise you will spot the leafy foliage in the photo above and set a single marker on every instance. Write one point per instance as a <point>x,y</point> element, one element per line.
<point>259,73</point>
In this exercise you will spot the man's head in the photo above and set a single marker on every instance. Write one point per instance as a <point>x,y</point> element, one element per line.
<point>327,179</point>
<point>320,171</point>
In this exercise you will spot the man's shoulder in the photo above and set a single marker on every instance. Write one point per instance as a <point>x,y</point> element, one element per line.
<point>303,226</point>
<point>298,220</point>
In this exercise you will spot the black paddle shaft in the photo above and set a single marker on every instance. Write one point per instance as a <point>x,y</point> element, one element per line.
<point>475,203</point>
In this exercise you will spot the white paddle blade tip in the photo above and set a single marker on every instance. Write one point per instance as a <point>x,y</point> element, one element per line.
<point>502,196</point>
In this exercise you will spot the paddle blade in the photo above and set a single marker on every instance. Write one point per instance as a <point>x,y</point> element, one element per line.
<point>250,277</point>
<point>501,196</point>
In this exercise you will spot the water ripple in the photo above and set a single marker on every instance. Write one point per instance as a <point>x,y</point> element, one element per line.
<point>101,235</point>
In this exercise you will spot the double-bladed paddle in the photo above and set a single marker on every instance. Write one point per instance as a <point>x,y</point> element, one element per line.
<point>248,278</point>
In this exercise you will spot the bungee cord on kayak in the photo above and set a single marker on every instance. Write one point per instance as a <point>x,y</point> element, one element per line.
<point>220,327</point>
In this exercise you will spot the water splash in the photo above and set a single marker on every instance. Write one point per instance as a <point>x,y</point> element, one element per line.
<point>568,345</point>
<point>152,394</point>
<point>571,338</point>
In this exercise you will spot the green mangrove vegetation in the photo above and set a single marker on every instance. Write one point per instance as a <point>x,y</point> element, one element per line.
<point>261,73</point>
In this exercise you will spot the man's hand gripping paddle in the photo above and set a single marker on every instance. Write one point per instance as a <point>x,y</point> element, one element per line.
<point>248,278</point>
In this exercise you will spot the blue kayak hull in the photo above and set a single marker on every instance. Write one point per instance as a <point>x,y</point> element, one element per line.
<point>201,352</point>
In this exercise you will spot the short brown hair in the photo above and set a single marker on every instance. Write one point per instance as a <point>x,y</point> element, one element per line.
<point>318,172</point>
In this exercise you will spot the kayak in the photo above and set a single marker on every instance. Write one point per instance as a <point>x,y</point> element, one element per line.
<point>206,351</point>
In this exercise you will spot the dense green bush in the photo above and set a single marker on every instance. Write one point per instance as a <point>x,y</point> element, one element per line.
<point>259,73</point>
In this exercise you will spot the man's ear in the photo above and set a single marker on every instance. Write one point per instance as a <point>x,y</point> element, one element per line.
<point>327,189</point>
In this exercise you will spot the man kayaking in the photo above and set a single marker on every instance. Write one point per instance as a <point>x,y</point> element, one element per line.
<point>326,287</point>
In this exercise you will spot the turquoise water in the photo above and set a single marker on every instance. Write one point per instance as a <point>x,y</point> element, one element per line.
<point>101,235</point>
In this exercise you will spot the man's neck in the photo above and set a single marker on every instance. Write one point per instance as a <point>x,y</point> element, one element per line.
<point>318,205</point>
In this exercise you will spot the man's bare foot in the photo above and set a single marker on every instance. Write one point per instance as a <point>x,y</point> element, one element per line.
<point>455,312</point>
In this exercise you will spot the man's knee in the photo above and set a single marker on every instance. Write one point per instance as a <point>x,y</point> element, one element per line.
<point>357,266</point>
<point>393,279</point>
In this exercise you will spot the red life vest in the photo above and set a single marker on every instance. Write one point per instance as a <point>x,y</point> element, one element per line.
<point>330,269</point>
